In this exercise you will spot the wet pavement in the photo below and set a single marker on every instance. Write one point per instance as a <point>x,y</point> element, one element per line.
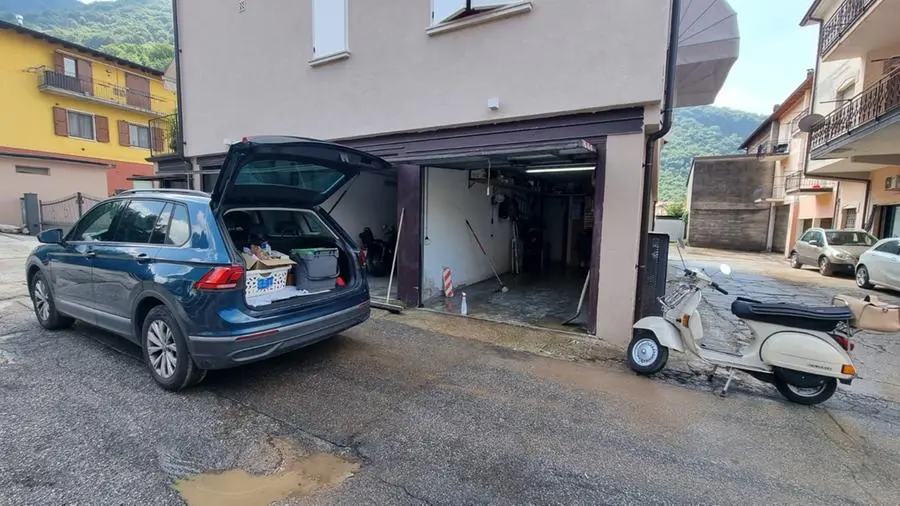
<point>390,413</point>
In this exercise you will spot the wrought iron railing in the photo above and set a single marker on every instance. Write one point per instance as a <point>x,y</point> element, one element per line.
<point>877,100</point>
<point>165,138</point>
<point>99,91</point>
<point>795,123</point>
<point>843,20</point>
<point>796,181</point>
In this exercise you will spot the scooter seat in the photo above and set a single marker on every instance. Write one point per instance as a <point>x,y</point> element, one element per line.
<point>822,319</point>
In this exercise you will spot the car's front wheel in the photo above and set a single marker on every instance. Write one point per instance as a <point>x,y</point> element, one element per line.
<point>795,260</point>
<point>825,267</point>
<point>44,305</point>
<point>862,277</point>
<point>166,353</point>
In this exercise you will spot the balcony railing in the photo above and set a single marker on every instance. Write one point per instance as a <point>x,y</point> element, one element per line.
<point>796,182</point>
<point>165,138</point>
<point>879,99</point>
<point>772,148</point>
<point>795,123</point>
<point>99,91</point>
<point>843,20</point>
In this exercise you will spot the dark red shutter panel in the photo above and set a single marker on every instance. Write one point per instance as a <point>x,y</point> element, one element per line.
<point>157,139</point>
<point>124,134</point>
<point>86,77</point>
<point>101,123</point>
<point>60,122</point>
<point>59,64</point>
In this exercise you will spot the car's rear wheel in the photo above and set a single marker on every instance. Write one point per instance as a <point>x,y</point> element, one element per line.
<point>825,268</point>
<point>795,260</point>
<point>45,307</point>
<point>862,277</point>
<point>166,353</point>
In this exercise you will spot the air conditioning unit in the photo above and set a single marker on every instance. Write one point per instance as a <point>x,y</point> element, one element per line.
<point>892,183</point>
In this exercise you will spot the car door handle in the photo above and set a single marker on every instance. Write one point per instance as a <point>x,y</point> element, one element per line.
<point>90,253</point>
<point>142,258</point>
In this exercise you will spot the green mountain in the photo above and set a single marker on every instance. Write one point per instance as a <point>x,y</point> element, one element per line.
<point>137,30</point>
<point>700,131</point>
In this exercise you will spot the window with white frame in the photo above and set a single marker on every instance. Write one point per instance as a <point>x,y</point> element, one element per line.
<point>139,136</point>
<point>70,67</point>
<point>445,11</point>
<point>81,125</point>
<point>329,27</point>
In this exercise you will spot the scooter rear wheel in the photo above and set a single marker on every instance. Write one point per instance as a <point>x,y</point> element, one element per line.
<point>645,355</point>
<point>806,395</point>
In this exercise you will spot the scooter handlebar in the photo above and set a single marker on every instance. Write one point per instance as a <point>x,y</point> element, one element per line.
<point>718,288</point>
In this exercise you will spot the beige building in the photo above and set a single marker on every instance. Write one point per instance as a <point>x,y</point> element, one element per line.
<point>489,111</point>
<point>855,126</point>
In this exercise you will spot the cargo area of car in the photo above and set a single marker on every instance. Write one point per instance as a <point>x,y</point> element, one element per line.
<point>288,254</point>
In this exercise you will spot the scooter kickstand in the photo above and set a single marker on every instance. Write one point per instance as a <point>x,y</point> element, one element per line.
<point>727,382</point>
<point>712,374</point>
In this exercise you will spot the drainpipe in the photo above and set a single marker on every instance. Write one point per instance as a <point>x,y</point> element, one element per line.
<point>179,118</point>
<point>668,106</point>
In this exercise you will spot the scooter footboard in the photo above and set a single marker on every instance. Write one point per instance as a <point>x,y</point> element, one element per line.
<point>666,333</point>
<point>799,351</point>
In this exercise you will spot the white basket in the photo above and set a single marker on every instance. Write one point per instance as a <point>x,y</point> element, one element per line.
<point>259,282</point>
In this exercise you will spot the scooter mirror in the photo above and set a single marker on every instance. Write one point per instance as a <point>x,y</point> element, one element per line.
<point>725,269</point>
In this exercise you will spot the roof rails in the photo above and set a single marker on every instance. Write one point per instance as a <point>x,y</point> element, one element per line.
<point>182,191</point>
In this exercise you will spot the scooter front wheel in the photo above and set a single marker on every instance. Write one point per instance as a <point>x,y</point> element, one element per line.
<point>645,354</point>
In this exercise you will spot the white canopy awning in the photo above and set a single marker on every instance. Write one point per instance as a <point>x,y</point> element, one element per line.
<point>708,45</point>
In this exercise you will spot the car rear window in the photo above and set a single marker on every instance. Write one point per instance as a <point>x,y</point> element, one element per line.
<point>290,173</point>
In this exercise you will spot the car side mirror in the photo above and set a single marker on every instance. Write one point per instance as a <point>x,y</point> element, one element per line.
<point>51,236</point>
<point>814,242</point>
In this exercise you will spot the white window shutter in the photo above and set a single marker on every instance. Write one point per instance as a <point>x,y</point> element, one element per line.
<point>489,4</point>
<point>329,27</point>
<point>445,10</point>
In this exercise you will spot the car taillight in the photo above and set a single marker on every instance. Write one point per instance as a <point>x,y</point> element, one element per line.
<point>844,342</point>
<point>220,278</point>
<point>361,254</point>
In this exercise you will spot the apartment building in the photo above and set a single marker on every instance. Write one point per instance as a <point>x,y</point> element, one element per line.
<point>526,124</point>
<point>855,121</point>
<point>77,120</point>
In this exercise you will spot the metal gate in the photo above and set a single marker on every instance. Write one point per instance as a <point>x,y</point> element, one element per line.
<point>655,275</point>
<point>64,212</point>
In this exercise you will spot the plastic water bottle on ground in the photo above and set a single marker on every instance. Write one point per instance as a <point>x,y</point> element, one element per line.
<point>463,307</point>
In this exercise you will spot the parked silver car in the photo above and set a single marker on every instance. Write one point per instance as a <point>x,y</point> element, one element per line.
<point>880,265</point>
<point>833,251</point>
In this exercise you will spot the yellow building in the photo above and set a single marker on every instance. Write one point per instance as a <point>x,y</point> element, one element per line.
<point>73,119</point>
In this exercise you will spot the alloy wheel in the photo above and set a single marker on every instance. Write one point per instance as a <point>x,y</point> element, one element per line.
<point>41,300</point>
<point>161,349</point>
<point>644,352</point>
<point>808,391</point>
<point>862,277</point>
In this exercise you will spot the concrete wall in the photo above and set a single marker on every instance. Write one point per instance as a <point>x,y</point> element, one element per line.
<point>448,243</point>
<point>674,227</point>
<point>369,202</point>
<point>247,73</point>
<point>723,213</point>
<point>555,226</point>
<point>619,245</point>
<point>63,180</point>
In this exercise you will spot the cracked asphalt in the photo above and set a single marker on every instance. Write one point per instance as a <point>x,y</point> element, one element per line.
<point>431,419</point>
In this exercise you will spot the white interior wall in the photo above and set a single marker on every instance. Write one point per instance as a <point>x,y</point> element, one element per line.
<point>448,243</point>
<point>370,202</point>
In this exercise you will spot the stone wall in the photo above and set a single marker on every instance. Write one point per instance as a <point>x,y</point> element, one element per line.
<point>723,213</point>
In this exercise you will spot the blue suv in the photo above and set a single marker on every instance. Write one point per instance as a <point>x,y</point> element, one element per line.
<point>168,269</point>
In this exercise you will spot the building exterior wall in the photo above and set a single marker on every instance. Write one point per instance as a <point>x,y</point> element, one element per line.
<point>723,211</point>
<point>60,180</point>
<point>29,112</point>
<point>370,201</point>
<point>399,78</point>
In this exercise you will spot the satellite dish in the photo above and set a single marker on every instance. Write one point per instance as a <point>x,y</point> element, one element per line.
<point>807,123</point>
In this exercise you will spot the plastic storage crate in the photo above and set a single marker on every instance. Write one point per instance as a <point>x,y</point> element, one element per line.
<point>259,282</point>
<point>316,270</point>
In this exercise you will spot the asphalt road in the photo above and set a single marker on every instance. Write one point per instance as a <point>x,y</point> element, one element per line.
<point>429,419</point>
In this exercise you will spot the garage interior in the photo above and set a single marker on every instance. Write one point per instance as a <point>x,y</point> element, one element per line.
<point>531,210</point>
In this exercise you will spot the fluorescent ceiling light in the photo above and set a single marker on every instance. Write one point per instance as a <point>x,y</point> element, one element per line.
<point>559,169</point>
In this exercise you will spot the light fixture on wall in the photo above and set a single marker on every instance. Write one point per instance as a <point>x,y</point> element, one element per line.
<point>560,169</point>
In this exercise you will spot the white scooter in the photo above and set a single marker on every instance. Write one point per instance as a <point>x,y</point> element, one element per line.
<point>803,351</point>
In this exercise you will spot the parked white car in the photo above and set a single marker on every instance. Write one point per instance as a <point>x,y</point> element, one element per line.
<point>880,265</point>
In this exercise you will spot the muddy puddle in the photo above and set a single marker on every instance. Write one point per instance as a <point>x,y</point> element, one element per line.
<point>298,475</point>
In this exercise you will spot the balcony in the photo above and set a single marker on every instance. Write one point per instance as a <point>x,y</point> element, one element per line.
<point>772,150</point>
<point>858,27</point>
<point>795,123</point>
<point>798,184</point>
<point>165,138</point>
<point>863,122</point>
<point>100,92</point>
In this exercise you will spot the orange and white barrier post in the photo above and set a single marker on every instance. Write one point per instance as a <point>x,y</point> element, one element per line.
<point>448,282</point>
